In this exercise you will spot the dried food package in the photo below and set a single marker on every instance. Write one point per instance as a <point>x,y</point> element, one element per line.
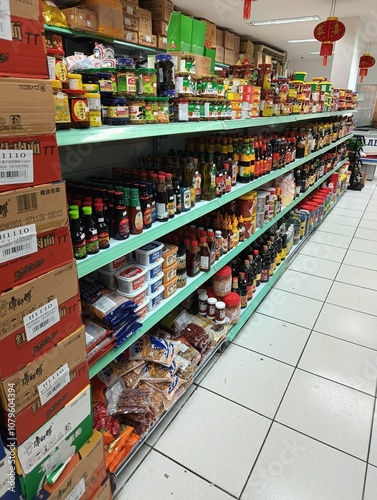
<point>198,337</point>
<point>94,333</point>
<point>178,393</point>
<point>159,373</point>
<point>131,379</point>
<point>134,401</point>
<point>168,389</point>
<point>100,349</point>
<point>157,399</point>
<point>117,369</point>
<point>151,348</point>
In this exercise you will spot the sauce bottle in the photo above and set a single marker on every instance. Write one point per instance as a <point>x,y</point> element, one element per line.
<point>145,206</point>
<point>224,233</point>
<point>258,265</point>
<point>91,233</point>
<point>185,197</point>
<point>135,214</point>
<point>253,266</point>
<point>205,255</point>
<point>219,245</point>
<point>209,179</point>
<point>193,259</point>
<point>162,199</point>
<point>266,264</point>
<point>236,233</point>
<point>177,196</point>
<point>230,237</point>
<point>211,242</point>
<point>241,230</point>
<point>102,227</point>
<point>243,289</point>
<point>249,276</point>
<point>235,288</point>
<point>78,237</point>
<point>120,224</point>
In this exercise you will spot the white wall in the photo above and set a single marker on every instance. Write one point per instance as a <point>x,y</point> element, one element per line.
<point>313,66</point>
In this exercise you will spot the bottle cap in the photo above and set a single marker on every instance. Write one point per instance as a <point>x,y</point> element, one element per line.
<point>194,243</point>
<point>87,210</point>
<point>202,240</point>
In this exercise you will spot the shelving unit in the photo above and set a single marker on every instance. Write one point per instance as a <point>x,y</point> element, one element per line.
<point>194,283</point>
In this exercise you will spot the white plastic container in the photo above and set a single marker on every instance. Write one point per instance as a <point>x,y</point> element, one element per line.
<point>154,285</point>
<point>149,253</point>
<point>138,297</point>
<point>131,278</point>
<point>260,219</point>
<point>107,278</point>
<point>142,310</point>
<point>116,264</point>
<point>154,269</point>
<point>155,299</point>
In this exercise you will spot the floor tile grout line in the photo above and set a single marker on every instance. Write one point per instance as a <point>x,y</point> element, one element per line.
<point>370,443</point>
<point>117,493</point>
<point>344,340</point>
<point>355,284</point>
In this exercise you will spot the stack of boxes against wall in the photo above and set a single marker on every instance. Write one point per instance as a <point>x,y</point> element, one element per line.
<point>44,379</point>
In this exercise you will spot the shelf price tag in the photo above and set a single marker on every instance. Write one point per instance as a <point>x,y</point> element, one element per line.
<point>5,23</point>
<point>41,319</point>
<point>16,166</point>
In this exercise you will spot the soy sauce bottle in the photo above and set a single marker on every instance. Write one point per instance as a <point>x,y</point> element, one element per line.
<point>102,227</point>
<point>77,236</point>
<point>258,265</point>
<point>266,264</point>
<point>120,224</point>
<point>91,233</point>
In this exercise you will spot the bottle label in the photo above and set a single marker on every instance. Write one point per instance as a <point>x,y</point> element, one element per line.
<point>124,227</point>
<point>138,221</point>
<point>162,212</point>
<point>265,275</point>
<point>147,217</point>
<point>204,263</point>
<point>243,301</point>
<point>187,199</point>
<point>92,244</point>
<point>103,240</point>
<point>79,251</point>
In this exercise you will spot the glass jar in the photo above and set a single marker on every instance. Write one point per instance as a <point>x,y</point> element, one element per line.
<point>61,106</point>
<point>209,86</point>
<point>183,113</point>
<point>117,111</point>
<point>78,106</point>
<point>165,72</point>
<point>75,81</point>
<point>184,85</point>
<point>105,83</point>
<point>193,110</point>
<point>146,82</point>
<point>126,76</point>
<point>198,85</point>
<point>94,105</point>
<point>187,64</point>
<point>57,67</point>
<point>162,109</point>
<point>220,87</point>
<point>90,81</point>
<point>136,109</point>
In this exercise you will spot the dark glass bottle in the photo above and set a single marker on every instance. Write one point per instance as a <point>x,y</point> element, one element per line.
<point>249,276</point>
<point>91,233</point>
<point>266,264</point>
<point>162,199</point>
<point>242,285</point>
<point>205,255</point>
<point>258,265</point>
<point>77,236</point>
<point>177,196</point>
<point>102,227</point>
<point>120,224</point>
<point>235,287</point>
<point>145,206</point>
<point>170,194</point>
<point>193,259</point>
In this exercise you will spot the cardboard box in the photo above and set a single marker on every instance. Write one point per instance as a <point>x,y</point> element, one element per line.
<point>237,44</point>
<point>145,21</point>
<point>258,57</point>
<point>179,32</point>
<point>131,23</point>
<point>247,47</point>
<point>161,9</point>
<point>130,9</point>
<point>26,107</point>
<point>81,19</point>
<point>9,489</point>
<point>58,440</point>
<point>267,59</point>
<point>26,10</point>
<point>86,472</point>
<point>228,40</point>
<point>148,40</point>
<point>211,53</point>
<point>219,38</point>
<point>162,42</point>
<point>110,16</point>
<point>160,28</point>
<point>198,37</point>
<point>230,57</point>
<point>210,36</point>
<point>36,316</point>
<point>219,54</point>
<point>201,65</point>
<point>41,168</point>
<point>131,36</point>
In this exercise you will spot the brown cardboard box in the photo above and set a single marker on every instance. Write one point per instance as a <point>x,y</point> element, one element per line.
<point>86,466</point>
<point>131,23</point>
<point>219,38</point>
<point>219,54</point>
<point>103,492</point>
<point>258,57</point>
<point>267,59</point>
<point>26,107</point>
<point>36,316</point>
<point>237,43</point>
<point>130,9</point>
<point>27,10</point>
<point>81,19</point>
<point>202,64</point>
<point>160,28</point>
<point>162,42</point>
<point>161,9</point>
<point>110,16</point>
<point>230,57</point>
<point>247,47</point>
<point>145,21</point>
<point>210,40</point>
<point>228,40</point>
<point>147,39</point>
<point>131,36</point>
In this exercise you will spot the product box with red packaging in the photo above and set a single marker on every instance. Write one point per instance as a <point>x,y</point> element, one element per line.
<point>22,44</point>
<point>36,316</point>
<point>104,491</point>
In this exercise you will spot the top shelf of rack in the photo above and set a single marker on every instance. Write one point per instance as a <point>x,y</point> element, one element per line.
<point>130,132</point>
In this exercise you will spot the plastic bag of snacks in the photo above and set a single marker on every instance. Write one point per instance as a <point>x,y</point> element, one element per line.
<point>198,337</point>
<point>168,389</point>
<point>151,348</point>
<point>52,15</point>
<point>118,368</point>
<point>159,373</point>
<point>136,401</point>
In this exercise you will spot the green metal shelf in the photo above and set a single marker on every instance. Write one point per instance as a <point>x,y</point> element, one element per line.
<point>130,132</point>
<point>195,283</point>
<point>119,248</point>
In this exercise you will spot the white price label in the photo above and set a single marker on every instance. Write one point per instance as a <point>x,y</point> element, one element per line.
<point>15,243</point>
<point>5,23</point>
<point>53,384</point>
<point>41,319</point>
<point>77,491</point>
<point>104,304</point>
<point>16,166</point>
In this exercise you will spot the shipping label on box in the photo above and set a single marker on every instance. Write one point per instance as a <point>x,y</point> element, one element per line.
<point>86,467</point>
<point>81,19</point>
<point>180,32</point>
<point>131,24</point>
<point>161,42</point>
<point>36,316</point>
<point>131,36</point>
<point>220,54</point>
<point>26,107</point>
<point>160,28</point>
<point>148,40</point>
<point>110,16</point>
<point>130,9</point>
<point>56,442</point>
<point>145,21</point>
<point>228,40</point>
<point>40,166</point>
<point>161,9</point>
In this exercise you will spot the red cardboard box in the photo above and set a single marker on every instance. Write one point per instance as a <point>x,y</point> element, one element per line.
<point>36,316</point>
<point>54,250</point>
<point>104,491</point>
<point>45,160</point>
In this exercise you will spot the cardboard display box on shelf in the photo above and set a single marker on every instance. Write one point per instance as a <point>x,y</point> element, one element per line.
<point>145,21</point>
<point>54,444</point>
<point>110,16</point>
<point>36,316</point>
<point>201,65</point>
<point>219,54</point>
<point>79,18</point>
<point>237,44</point>
<point>86,471</point>
<point>258,57</point>
<point>247,47</point>
<point>130,9</point>
<point>26,107</point>
<point>22,45</point>
<point>180,32</point>
<point>161,9</point>
<point>211,53</point>
<point>42,388</point>
<point>28,161</point>
<point>160,28</point>
<point>162,42</point>
<point>229,40</point>
<point>148,40</point>
<point>210,36</point>
<point>198,37</point>
<point>131,36</point>
<point>230,57</point>
<point>219,38</point>
<point>131,24</point>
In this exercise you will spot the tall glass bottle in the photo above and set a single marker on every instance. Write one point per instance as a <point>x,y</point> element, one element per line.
<point>162,199</point>
<point>77,236</point>
<point>209,179</point>
<point>120,224</point>
<point>102,227</point>
<point>91,233</point>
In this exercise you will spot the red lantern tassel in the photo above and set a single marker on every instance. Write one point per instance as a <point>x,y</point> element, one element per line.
<point>363,72</point>
<point>247,9</point>
<point>326,50</point>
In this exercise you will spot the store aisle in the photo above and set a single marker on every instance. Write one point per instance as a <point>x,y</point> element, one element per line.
<point>286,412</point>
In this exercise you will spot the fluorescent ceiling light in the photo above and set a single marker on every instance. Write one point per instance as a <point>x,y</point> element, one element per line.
<point>286,20</point>
<point>316,53</point>
<point>303,40</point>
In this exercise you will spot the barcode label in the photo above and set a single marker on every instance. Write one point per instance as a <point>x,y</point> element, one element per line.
<point>5,23</point>
<point>104,304</point>
<point>53,384</point>
<point>16,166</point>
<point>41,319</point>
<point>26,202</point>
<point>18,242</point>
<point>77,491</point>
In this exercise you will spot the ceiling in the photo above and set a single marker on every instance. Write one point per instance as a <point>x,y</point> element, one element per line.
<point>228,14</point>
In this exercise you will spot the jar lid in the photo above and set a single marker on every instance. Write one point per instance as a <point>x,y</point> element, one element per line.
<point>224,272</point>
<point>203,297</point>
<point>72,92</point>
<point>146,70</point>
<point>220,304</point>
<point>74,76</point>
<point>212,300</point>
<point>125,61</point>
<point>55,52</point>
<point>233,299</point>
<point>56,84</point>
<point>164,57</point>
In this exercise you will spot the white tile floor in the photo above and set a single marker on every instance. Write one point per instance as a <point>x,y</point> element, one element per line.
<point>287,411</point>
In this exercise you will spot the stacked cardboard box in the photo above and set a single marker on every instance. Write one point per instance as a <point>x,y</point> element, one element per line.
<point>109,16</point>
<point>219,46</point>
<point>45,400</point>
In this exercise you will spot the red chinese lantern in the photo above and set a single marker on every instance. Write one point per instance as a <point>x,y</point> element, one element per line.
<point>366,62</point>
<point>328,32</point>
